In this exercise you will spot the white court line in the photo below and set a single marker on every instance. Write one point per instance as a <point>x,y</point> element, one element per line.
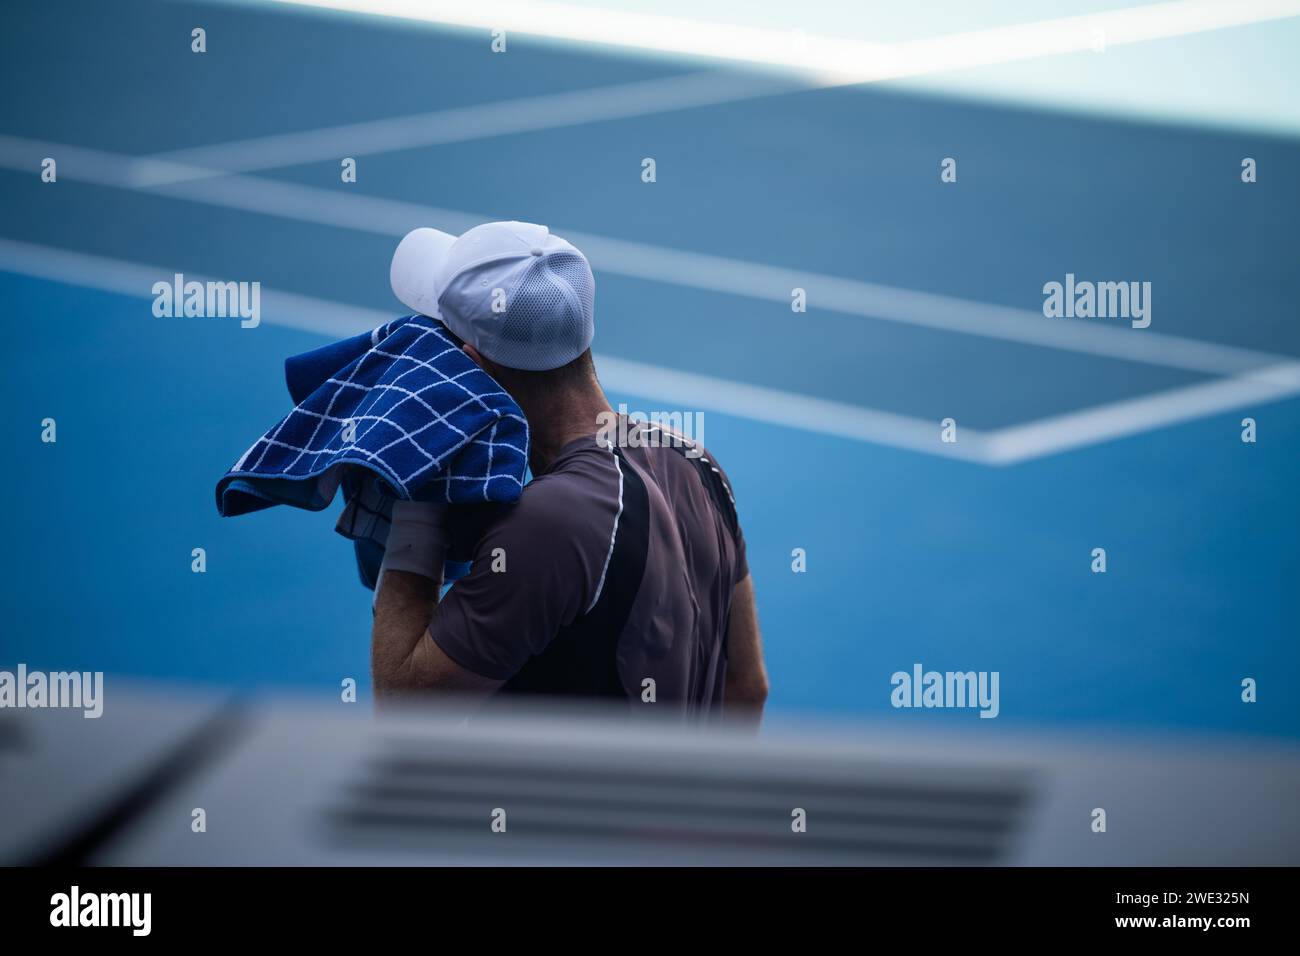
<point>1007,446</point>
<point>829,59</point>
<point>461,124</point>
<point>771,406</point>
<point>1132,416</point>
<point>818,62</point>
<point>288,309</point>
<point>619,375</point>
<point>342,208</point>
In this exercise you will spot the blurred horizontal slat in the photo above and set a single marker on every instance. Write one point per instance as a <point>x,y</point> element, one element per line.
<point>409,794</point>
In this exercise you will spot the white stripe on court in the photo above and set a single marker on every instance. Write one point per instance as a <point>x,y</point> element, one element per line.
<point>813,60</point>
<point>771,406</point>
<point>288,309</point>
<point>828,59</point>
<point>341,208</point>
<point>619,375</point>
<point>461,124</point>
<point>1011,445</point>
<point>1091,426</point>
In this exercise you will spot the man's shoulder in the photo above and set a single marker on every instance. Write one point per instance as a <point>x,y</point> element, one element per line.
<point>554,496</point>
<point>575,503</point>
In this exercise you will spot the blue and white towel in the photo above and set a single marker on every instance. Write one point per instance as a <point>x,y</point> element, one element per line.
<point>398,412</point>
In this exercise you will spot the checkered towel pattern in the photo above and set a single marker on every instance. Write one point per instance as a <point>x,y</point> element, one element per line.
<point>401,406</point>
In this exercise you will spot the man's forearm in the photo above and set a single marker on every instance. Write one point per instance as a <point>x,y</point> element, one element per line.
<point>408,587</point>
<point>403,607</point>
<point>404,658</point>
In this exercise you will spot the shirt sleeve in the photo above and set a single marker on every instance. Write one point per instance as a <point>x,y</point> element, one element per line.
<point>531,576</point>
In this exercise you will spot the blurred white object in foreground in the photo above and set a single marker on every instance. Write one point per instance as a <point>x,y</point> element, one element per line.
<point>291,783</point>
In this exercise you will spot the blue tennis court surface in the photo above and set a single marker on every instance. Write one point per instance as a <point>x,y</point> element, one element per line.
<point>1082,436</point>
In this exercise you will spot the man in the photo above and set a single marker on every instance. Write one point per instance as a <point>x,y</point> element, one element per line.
<point>621,572</point>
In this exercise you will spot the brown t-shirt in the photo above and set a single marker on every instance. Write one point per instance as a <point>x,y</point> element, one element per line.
<point>616,565</point>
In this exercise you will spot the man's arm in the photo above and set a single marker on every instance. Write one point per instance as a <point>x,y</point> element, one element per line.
<point>494,620</point>
<point>403,656</point>
<point>745,689</point>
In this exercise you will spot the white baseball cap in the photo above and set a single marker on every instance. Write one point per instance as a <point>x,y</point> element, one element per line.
<point>522,297</point>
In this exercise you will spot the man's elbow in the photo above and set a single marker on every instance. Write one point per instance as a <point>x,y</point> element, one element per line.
<point>391,677</point>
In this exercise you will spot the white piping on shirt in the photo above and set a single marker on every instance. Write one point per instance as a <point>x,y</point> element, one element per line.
<point>613,535</point>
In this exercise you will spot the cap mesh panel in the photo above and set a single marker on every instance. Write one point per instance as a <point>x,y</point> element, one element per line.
<point>552,304</point>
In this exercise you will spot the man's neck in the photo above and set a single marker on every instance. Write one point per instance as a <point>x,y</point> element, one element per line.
<point>576,415</point>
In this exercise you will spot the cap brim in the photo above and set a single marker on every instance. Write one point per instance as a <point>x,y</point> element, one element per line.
<point>417,266</point>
